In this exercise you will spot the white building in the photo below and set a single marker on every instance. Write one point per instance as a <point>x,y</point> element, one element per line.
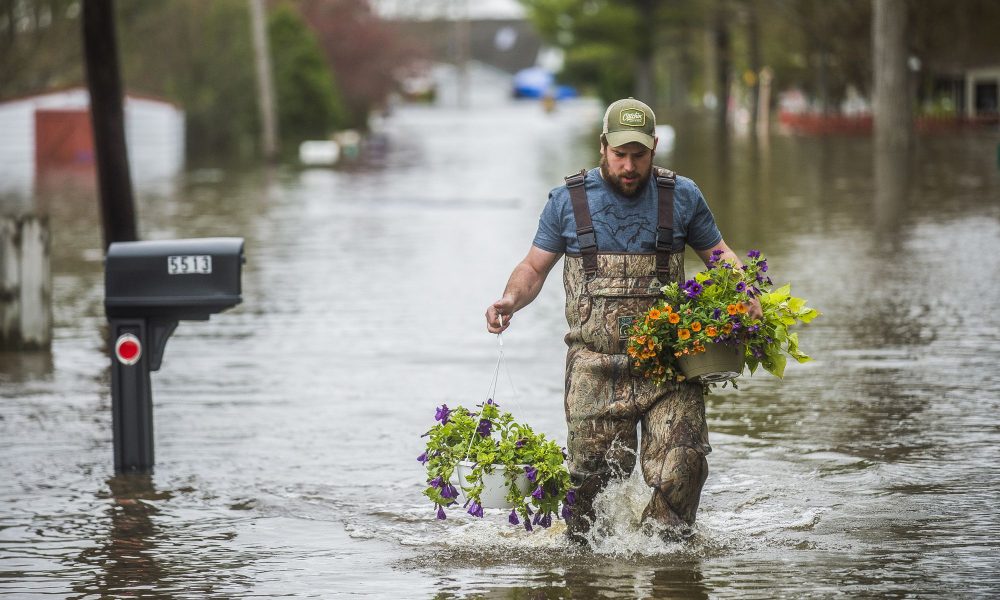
<point>51,132</point>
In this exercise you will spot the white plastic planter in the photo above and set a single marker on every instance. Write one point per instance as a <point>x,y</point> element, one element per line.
<point>494,485</point>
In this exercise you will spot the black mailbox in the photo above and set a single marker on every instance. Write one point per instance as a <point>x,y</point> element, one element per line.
<point>182,279</point>
<point>148,288</point>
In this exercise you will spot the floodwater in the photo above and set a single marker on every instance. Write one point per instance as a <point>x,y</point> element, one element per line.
<point>287,429</point>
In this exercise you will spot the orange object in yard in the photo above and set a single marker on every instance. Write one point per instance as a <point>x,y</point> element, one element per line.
<point>63,139</point>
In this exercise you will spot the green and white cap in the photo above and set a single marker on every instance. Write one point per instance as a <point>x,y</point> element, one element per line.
<point>629,120</point>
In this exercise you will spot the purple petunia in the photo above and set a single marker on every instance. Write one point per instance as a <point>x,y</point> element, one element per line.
<point>537,519</point>
<point>571,497</point>
<point>741,286</point>
<point>567,512</point>
<point>520,443</point>
<point>485,427</point>
<point>440,514</point>
<point>763,266</point>
<point>753,254</point>
<point>716,313</point>
<point>527,525</point>
<point>423,458</point>
<point>476,510</point>
<point>436,482</point>
<point>546,520</point>
<point>692,288</point>
<point>531,473</point>
<point>442,414</point>
<point>512,519</point>
<point>538,494</point>
<point>449,491</point>
<point>707,282</point>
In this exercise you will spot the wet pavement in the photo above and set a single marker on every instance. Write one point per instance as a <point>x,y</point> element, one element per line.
<point>287,429</point>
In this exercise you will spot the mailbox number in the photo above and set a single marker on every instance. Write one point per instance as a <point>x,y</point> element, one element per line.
<point>188,265</point>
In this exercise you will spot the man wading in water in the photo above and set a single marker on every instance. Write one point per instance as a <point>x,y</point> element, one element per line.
<point>622,227</point>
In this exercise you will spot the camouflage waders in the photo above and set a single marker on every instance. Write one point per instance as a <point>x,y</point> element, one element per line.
<point>605,399</point>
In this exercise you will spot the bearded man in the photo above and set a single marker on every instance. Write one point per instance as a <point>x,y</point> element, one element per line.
<point>622,228</point>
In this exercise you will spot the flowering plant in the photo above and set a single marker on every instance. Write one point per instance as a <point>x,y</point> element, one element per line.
<point>490,439</point>
<point>712,308</point>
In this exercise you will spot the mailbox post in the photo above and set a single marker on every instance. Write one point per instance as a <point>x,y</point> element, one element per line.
<point>149,287</point>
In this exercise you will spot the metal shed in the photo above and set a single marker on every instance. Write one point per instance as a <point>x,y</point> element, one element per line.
<point>50,133</point>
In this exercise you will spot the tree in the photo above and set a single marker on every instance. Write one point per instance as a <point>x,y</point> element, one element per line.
<point>364,51</point>
<point>309,105</point>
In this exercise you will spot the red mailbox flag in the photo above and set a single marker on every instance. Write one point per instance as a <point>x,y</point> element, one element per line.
<point>128,350</point>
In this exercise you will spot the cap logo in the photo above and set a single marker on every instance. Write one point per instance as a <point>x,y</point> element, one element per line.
<point>632,117</point>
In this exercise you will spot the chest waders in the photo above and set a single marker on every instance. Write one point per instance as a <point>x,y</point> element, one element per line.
<point>605,399</point>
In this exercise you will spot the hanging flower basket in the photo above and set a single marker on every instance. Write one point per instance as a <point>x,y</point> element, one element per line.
<point>493,461</point>
<point>495,485</point>
<point>719,362</point>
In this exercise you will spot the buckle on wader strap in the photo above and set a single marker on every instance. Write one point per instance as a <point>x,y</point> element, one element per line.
<point>585,235</point>
<point>666,181</point>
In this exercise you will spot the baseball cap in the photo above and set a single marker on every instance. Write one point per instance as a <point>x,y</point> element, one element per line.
<point>629,120</point>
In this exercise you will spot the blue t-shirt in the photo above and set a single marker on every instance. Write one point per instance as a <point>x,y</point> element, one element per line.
<point>626,224</point>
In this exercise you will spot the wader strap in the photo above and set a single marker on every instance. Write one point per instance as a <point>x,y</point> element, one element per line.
<point>584,226</point>
<point>666,180</point>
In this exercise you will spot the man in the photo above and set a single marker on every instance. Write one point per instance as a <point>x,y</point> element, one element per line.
<point>622,231</point>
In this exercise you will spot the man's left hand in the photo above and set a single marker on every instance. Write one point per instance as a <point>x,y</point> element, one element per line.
<point>754,309</point>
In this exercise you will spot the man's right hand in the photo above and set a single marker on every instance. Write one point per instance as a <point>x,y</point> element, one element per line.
<point>498,315</point>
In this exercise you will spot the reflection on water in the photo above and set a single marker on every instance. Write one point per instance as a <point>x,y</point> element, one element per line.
<point>125,560</point>
<point>287,429</point>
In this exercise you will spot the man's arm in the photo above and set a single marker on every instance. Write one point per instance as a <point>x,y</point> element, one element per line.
<point>727,254</point>
<point>522,287</point>
<point>730,256</point>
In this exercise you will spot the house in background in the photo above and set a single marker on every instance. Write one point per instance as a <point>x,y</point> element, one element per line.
<point>982,92</point>
<point>49,135</point>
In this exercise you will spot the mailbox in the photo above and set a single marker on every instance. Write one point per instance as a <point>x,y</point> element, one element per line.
<point>148,288</point>
<point>180,279</point>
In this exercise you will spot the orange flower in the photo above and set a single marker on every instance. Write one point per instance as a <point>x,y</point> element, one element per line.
<point>654,314</point>
<point>683,334</point>
<point>696,326</point>
<point>731,309</point>
<point>674,318</point>
<point>677,354</point>
<point>741,308</point>
<point>711,331</point>
<point>668,308</point>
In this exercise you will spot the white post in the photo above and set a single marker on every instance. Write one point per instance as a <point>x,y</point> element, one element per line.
<point>25,284</point>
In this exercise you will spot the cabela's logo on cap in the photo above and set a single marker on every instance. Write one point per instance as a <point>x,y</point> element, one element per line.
<point>632,117</point>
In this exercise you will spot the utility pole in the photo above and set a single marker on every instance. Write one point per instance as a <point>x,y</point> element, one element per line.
<point>645,69</point>
<point>723,65</point>
<point>265,81</point>
<point>893,116</point>
<point>107,116</point>
<point>893,109</point>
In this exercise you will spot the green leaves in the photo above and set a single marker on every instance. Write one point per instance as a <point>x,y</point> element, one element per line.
<point>781,311</point>
<point>512,445</point>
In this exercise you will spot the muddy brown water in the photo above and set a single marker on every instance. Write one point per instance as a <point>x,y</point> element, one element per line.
<point>287,429</point>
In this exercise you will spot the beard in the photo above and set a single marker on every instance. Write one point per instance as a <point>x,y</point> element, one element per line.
<point>628,190</point>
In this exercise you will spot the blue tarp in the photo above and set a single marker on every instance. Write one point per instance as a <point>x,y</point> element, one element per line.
<point>535,82</point>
